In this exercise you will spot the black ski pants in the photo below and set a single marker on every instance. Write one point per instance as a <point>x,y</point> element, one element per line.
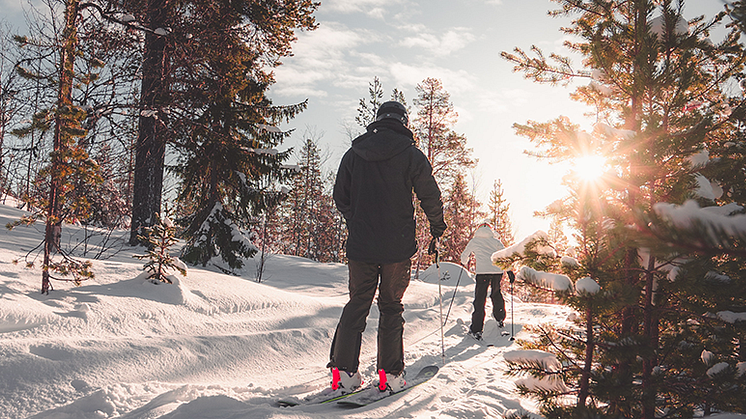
<point>391,280</point>
<point>485,281</point>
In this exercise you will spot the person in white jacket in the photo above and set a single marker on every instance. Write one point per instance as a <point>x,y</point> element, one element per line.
<point>483,245</point>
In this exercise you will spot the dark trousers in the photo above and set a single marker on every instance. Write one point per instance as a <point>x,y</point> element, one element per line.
<point>391,280</point>
<point>485,281</point>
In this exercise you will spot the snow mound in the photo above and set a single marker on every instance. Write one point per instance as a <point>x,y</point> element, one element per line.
<point>450,274</point>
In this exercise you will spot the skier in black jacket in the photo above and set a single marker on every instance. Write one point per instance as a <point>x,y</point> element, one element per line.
<point>373,191</point>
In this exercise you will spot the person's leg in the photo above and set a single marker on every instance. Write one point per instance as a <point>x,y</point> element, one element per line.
<point>480,298</point>
<point>345,351</point>
<point>394,281</point>
<point>498,303</point>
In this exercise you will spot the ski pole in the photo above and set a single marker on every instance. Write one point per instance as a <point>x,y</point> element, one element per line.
<point>511,275</point>
<point>458,281</point>
<point>440,299</point>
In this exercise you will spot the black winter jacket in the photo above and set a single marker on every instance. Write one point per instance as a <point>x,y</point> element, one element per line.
<point>373,191</point>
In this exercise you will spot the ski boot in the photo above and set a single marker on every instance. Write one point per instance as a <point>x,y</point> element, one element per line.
<point>390,382</point>
<point>345,381</point>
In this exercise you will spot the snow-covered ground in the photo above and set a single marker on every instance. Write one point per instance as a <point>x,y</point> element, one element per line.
<point>219,346</point>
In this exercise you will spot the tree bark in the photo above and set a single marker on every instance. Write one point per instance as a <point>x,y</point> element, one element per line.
<point>150,149</point>
<point>585,378</point>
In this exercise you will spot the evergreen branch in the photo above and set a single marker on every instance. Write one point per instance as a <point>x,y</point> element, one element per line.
<point>539,69</point>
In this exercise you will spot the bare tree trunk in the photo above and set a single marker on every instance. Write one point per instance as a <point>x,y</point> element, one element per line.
<point>150,150</point>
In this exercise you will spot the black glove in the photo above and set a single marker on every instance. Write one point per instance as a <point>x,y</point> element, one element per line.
<point>511,276</point>
<point>432,248</point>
<point>437,231</point>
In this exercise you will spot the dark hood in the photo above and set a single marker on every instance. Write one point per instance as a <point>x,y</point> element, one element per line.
<point>384,139</point>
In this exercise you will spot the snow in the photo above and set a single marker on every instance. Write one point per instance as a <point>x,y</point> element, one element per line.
<point>450,274</point>
<point>269,128</point>
<point>587,285</point>
<point>519,249</point>
<point>556,282</point>
<point>127,18</point>
<point>699,159</point>
<point>569,262</point>
<point>548,361</point>
<point>731,317</point>
<point>212,345</point>
<point>706,188</point>
<point>707,357</point>
<point>717,219</point>
<point>717,369</point>
<point>600,88</point>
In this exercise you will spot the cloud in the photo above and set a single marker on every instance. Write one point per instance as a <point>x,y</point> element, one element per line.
<point>326,55</point>
<point>11,6</point>
<point>373,8</point>
<point>449,42</point>
<point>454,81</point>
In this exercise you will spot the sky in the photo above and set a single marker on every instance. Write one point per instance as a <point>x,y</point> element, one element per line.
<point>402,42</point>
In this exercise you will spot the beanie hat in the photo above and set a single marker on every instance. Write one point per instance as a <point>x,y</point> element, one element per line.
<point>394,110</point>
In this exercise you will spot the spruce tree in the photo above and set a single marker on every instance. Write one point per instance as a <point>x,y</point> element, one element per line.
<point>161,238</point>
<point>656,82</point>
<point>226,132</point>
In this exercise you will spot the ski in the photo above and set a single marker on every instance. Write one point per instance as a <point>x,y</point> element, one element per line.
<point>373,394</point>
<point>322,397</point>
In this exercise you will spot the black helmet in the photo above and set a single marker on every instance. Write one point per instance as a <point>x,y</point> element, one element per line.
<point>393,109</point>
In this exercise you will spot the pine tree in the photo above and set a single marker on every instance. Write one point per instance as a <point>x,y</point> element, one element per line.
<point>656,82</point>
<point>70,168</point>
<point>366,110</point>
<point>457,214</point>
<point>445,149</point>
<point>315,229</point>
<point>499,214</point>
<point>433,128</point>
<point>307,195</point>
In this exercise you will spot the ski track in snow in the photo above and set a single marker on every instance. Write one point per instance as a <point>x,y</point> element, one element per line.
<point>219,346</point>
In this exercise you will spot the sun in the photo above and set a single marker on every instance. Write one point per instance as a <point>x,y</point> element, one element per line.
<point>589,168</point>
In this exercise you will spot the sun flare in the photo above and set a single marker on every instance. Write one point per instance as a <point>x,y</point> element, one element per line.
<point>589,168</point>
